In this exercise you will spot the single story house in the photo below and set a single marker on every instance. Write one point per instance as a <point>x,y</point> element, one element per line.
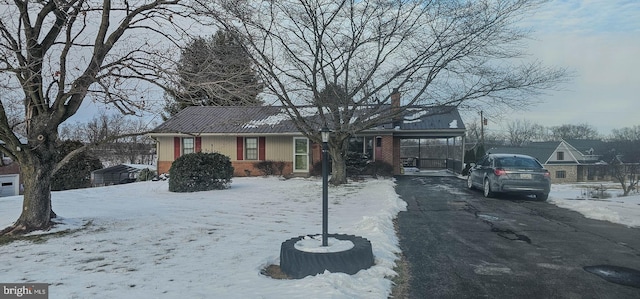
<point>266,133</point>
<point>568,161</point>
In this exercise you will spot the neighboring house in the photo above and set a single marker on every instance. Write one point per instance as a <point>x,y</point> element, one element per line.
<point>251,134</point>
<point>9,178</point>
<point>568,161</point>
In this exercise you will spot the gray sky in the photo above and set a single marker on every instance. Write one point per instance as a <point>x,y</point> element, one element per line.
<point>599,41</point>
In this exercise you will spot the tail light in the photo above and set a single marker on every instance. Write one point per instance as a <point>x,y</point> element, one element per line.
<point>547,174</point>
<point>499,171</point>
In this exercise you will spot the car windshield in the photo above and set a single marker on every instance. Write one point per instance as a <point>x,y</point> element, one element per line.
<point>517,162</point>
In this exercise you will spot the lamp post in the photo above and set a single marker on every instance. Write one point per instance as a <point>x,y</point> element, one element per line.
<point>324,133</point>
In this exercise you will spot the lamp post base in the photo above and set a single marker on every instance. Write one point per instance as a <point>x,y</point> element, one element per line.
<point>297,263</point>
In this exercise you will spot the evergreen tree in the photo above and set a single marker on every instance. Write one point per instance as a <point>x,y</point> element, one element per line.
<point>76,173</point>
<point>214,72</point>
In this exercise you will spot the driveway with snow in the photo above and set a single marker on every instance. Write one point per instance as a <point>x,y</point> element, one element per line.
<point>461,245</point>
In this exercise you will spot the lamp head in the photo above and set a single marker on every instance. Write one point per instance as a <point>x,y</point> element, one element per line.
<point>324,133</point>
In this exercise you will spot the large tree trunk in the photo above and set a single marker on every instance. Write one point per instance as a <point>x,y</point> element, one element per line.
<point>37,160</point>
<point>338,151</point>
<point>36,206</point>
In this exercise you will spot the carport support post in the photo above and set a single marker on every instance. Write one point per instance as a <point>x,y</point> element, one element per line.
<point>325,191</point>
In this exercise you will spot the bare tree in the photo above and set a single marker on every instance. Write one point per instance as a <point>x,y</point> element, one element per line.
<point>117,138</point>
<point>436,53</point>
<point>53,54</point>
<point>521,132</point>
<point>624,163</point>
<point>579,131</point>
<point>628,133</point>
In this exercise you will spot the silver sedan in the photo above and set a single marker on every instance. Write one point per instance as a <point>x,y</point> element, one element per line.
<point>509,173</point>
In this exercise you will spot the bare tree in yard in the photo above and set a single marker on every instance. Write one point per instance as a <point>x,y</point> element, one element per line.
<point>624,158</point>
<point>214,72</point>
<point>521,132</point>
<point>436,53</point>
<point>53,55</point>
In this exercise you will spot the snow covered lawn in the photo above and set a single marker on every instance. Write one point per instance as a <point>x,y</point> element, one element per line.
<point>578,197</point>
<point>141,241</point>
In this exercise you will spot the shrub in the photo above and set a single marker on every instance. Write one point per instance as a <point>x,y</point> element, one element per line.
<point>200,172</point>
<point>146,175</point>
<point>379,168</point>
<point>76,173</point>
<point>268,168</point>
<point>356,163</point>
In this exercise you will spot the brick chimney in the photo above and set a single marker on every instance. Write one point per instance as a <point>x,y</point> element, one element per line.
<point>395,107</point>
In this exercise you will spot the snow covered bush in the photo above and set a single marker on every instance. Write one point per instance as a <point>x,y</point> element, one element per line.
<point>200,172</point>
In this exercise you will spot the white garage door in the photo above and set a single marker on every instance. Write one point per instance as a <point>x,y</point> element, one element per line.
<point>9,185</point>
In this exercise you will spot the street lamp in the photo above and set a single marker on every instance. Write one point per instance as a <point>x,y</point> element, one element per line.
<point>324,133</point>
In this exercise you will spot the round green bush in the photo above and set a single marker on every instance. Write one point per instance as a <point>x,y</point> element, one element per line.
<point>200,172</point>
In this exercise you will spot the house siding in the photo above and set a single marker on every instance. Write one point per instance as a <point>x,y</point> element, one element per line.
<point>273,148</point>
<point>570,170</point>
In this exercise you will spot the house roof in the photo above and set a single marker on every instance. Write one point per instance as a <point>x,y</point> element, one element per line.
<point>585,151</point>
<point>275,120</point>
<point>539,150</point>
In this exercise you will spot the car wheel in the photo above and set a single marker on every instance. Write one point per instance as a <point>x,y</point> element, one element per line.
<point>470,182</point>
<point>487,189</point>
<point>542,196</point>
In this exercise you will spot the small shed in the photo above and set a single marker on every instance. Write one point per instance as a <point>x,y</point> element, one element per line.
<point>119,174</point>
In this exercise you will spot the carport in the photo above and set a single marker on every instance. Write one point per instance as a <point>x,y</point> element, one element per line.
<point>119,174</point>
<point>432,142</point>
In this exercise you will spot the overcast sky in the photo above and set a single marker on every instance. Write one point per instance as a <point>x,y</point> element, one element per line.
<point>599,41</point>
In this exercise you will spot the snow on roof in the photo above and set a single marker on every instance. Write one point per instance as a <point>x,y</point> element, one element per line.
<point>282,116</point>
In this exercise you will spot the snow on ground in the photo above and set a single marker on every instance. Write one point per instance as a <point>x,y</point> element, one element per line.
<point>599,201</point>
<point>141,241</point>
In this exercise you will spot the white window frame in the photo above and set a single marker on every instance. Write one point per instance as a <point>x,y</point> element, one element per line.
<point>305,155</point>
<point>257,149</point>
<point>183,148</point>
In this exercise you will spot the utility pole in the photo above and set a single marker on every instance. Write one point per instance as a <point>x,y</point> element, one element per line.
<point>481,128</point>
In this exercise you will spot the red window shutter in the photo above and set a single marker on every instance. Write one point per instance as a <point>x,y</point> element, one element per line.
<point>198,144</point>
<point>240,148</point>
<point>262,148</point>
<point>176,148</point>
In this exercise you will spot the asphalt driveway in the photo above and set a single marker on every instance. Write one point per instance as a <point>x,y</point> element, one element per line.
<point>461,245</point>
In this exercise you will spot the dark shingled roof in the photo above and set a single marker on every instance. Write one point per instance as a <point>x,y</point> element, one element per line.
<point>210,119</point>
<point>274,120</point>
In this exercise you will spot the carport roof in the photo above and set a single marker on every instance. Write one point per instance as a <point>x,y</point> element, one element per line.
<point>122,168</point>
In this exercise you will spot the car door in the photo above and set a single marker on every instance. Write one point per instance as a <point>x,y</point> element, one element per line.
<point>477,173</point>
